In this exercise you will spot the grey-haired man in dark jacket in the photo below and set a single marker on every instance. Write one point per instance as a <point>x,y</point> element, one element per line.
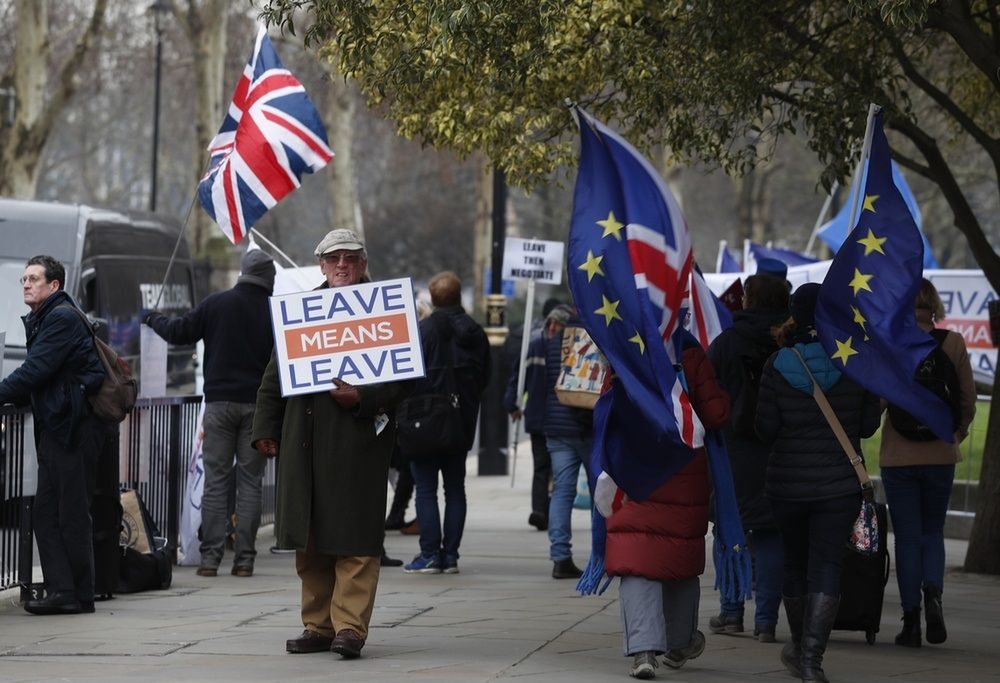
<point>61,369</point>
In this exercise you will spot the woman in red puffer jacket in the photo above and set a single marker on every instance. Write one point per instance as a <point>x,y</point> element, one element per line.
<point>657,546</point>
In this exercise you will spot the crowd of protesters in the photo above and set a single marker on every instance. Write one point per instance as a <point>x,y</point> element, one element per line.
<point>757,383</point>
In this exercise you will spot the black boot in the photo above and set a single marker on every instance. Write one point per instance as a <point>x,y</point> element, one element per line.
<point>818,615</point>
<point>791,652</point>
<point>910,635</point>
<point>936,632</point>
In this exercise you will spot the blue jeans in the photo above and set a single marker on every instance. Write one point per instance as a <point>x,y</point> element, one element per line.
<point>815,534</point>
<point>567,454</point>
<point>918,503</point>
<point>768,553</point>
<point>425,477</point>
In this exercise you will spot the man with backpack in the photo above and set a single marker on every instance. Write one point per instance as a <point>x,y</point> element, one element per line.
<point>59,373</point>
<point>457,358</point>
<point>738,356</point>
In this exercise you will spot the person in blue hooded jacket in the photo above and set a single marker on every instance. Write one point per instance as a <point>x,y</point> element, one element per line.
<point>812,487</point>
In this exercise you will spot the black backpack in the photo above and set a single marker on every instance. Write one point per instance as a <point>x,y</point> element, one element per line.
<point>744,409</point>
<point>936,373</point>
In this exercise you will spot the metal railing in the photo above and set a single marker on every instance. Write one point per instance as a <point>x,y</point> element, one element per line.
<point>155,445</point>
<point>963,494</point>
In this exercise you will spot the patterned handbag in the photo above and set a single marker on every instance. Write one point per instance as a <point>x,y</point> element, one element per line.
<point>864,534</point>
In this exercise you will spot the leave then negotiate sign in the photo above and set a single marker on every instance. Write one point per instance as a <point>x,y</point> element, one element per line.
<point>537,260</point>
<point>363,334</point>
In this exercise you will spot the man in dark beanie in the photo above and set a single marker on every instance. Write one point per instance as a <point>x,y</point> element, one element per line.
<point>236,327</point>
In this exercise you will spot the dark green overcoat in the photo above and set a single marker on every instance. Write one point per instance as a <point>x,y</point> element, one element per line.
<point>332,465</point>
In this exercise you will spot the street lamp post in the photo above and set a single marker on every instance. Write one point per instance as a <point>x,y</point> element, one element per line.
<point>493,417</point>
<point>158,8</point>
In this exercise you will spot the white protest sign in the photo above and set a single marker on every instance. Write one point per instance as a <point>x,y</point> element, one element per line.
<point>966,295</point>
<point>361,334</point>
<point>152,363</point>
<point>537,260</point>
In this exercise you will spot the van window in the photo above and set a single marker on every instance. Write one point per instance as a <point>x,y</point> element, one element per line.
<point>11,302</point>
<point>126,288</point>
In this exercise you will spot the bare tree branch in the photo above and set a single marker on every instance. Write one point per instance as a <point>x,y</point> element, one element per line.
<point>66,80</point>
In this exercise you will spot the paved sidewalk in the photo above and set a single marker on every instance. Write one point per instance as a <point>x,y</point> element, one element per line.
<point>501,618</point>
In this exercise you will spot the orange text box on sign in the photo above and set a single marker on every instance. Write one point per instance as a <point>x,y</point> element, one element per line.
<point>349,335</point>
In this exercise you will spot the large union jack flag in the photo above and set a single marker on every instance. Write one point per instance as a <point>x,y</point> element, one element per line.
<point>272,134</point>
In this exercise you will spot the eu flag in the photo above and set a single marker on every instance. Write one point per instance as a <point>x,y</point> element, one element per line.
<point>865,315</point>
<point>629,262</point>
<point>630,265</point>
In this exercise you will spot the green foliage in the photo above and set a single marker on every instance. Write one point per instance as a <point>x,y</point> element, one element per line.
<point>709,79</point>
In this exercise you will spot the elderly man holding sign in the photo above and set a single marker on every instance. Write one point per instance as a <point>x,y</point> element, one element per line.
<point>342,354</point>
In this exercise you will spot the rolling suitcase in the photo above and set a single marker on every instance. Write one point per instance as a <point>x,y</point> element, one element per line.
<point>862,585</point>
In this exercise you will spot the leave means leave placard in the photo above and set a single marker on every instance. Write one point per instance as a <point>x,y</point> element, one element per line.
<point>361,334</point>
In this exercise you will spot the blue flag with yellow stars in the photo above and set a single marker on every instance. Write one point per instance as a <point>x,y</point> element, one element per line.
<point>865,314</point>
<point>629,261</point>
<point>630,267</point>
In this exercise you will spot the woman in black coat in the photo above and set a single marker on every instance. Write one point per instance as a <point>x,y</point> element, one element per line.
<point>813,489</point>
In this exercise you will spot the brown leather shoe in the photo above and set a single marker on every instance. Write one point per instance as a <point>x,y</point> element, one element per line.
<point>242,570</point>
<point>308,642</point>
<point>348,644</point>
<point>207,571</point>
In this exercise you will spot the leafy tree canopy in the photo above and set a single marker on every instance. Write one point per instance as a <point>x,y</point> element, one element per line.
<point>708,79</point>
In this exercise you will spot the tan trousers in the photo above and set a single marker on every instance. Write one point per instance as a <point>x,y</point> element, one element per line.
<point>338,591</point>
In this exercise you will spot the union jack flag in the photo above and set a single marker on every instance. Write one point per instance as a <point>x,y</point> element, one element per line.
<point>630,262</point>
<point>272,134</point>
<point>709,316</point>
<point>632,274</point>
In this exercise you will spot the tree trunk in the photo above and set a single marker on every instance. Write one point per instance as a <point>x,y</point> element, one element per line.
<point>744,207</point>
<point>205,28</point>
<point>22,143</point>
<point>983,554</point>
<point>338,115</point>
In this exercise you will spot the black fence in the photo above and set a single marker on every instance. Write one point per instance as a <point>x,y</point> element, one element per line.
<point>155,446</point>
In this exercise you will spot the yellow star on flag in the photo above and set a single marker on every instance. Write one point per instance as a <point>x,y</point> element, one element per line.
<point>609,309</point>
<point>858,318</point>
<point>637,339</point>
<point>860,282</point>
<point>611,226</point>
<point>592,266</point>
<point>872,243</point>
<point>844,350</point>
<point>869,203</point>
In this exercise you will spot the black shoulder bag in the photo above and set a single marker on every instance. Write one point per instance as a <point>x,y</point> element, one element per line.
<point>431,425</point>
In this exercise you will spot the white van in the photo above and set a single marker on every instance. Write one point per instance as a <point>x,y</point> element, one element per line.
<point>115,264</point>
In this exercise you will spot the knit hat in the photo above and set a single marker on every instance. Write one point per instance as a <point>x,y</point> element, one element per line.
<point>339,238</point>
<point>257,268</point>
<point>560,314</point>
<point>549,304</point>
<point>803,304</point>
